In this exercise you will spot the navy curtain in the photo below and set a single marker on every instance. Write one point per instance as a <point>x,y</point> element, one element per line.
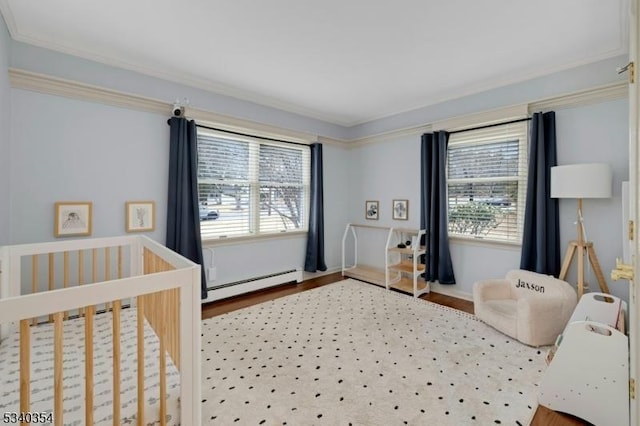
<point>541,235</point>
<point>433,207</point>
<point>183,218</point>
<point>314,260</point>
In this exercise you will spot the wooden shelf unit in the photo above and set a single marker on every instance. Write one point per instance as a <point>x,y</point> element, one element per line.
<point>408,267</point>
<point>405,285</point>
<point>403,267</point>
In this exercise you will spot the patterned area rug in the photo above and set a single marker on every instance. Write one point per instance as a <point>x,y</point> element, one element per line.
<point>352,353</point>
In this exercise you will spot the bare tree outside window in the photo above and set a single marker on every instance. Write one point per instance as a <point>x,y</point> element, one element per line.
<point>248,188</point>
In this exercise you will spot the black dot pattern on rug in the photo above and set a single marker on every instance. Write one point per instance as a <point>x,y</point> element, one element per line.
<point>354,353</point>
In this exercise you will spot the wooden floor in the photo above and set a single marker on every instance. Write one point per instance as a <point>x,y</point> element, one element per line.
<point>543,416</point>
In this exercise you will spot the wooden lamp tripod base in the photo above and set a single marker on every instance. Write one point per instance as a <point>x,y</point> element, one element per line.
<point>581,246</point>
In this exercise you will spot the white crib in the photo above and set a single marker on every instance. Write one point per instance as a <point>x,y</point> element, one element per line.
<point>99,331</point>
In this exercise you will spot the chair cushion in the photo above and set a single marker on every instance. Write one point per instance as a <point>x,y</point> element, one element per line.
<point>501,315</point>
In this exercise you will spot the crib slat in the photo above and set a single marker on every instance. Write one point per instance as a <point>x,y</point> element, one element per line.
<point>34,279</point>
<point>51,270</point>
<point>51,277</point>
<point>57,367</point>
<point>80,267</point>
<point>107,271</point>
<point>94,266</point>
<point>119,262</point>
<point>88,364</point>
<point>147,260</point>
<point>34,273</point>
<point>65,281</point>
<point>107,263</point>
<point>173,325</point>
<point>25,366</point>
<point>116,362</point>
<point>65,269</point>
<point>81,275</point>
<point>140,330</point>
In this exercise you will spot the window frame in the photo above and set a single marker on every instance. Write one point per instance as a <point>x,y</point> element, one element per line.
<point>254,184</point>
<point>492,134</point>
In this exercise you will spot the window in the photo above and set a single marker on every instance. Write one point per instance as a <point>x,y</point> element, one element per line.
<point>487,178</point>
<point>248,187</point>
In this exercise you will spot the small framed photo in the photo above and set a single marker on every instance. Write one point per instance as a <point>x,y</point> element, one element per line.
<point>371,209</point>
<point>400,209</point>
<point>140,216</point>
<point>72,218</point>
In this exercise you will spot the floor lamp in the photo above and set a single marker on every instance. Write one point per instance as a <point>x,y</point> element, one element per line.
<point>582,181</point>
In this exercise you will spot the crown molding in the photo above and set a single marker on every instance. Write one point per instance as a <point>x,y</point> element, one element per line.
<point>42,83</point>
<point>334,142</point>
<point>46,84</point>
<point>234,124</point>
<point>386,136</point>
<point>605,93</point>
<point>481,118</point>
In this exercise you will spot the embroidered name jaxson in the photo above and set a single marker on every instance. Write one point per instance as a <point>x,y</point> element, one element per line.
<point>529,286</point>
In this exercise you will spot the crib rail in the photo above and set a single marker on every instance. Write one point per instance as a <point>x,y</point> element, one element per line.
<point>50,271</point>
<point>160,284</point>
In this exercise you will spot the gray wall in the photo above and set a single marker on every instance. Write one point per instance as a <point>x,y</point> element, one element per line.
<point>5,132</point>
<point>388,170</point>
<point>69,150</point>
<point>594,134</point>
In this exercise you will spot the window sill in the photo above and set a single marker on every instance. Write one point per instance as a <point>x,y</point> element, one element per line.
<point>479,242</point>
<point>216,242</point>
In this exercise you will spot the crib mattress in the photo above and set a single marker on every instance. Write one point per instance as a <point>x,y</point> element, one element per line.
<point>73,365</point>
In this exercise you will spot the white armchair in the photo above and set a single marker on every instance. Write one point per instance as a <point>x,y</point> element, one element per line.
<point>530,307</point>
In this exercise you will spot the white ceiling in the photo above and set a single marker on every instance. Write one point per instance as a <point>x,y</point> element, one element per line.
<point>342,61</point>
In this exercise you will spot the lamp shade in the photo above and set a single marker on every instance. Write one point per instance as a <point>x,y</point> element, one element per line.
<point>592,180</point>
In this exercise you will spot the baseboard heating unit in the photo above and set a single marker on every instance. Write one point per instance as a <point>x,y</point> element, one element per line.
<point>252,284</point>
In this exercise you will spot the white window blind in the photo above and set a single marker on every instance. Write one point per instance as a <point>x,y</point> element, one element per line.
<point>249,187</point>
<point>487,178</point>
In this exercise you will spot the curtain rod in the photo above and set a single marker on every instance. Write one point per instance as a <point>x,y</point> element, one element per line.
<point>490,125</point>
<point>251,136</point>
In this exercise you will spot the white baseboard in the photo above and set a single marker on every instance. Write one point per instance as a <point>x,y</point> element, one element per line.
<point>253,285</point>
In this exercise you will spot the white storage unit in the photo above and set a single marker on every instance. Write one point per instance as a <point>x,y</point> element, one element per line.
<point>588,374</point>
<point>403,267</point>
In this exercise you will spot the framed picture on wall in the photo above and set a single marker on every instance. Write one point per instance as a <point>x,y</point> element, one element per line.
<point>371,209</point>
<point>400,209</point>
<point>72,218</point>
<point>140,216</point>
